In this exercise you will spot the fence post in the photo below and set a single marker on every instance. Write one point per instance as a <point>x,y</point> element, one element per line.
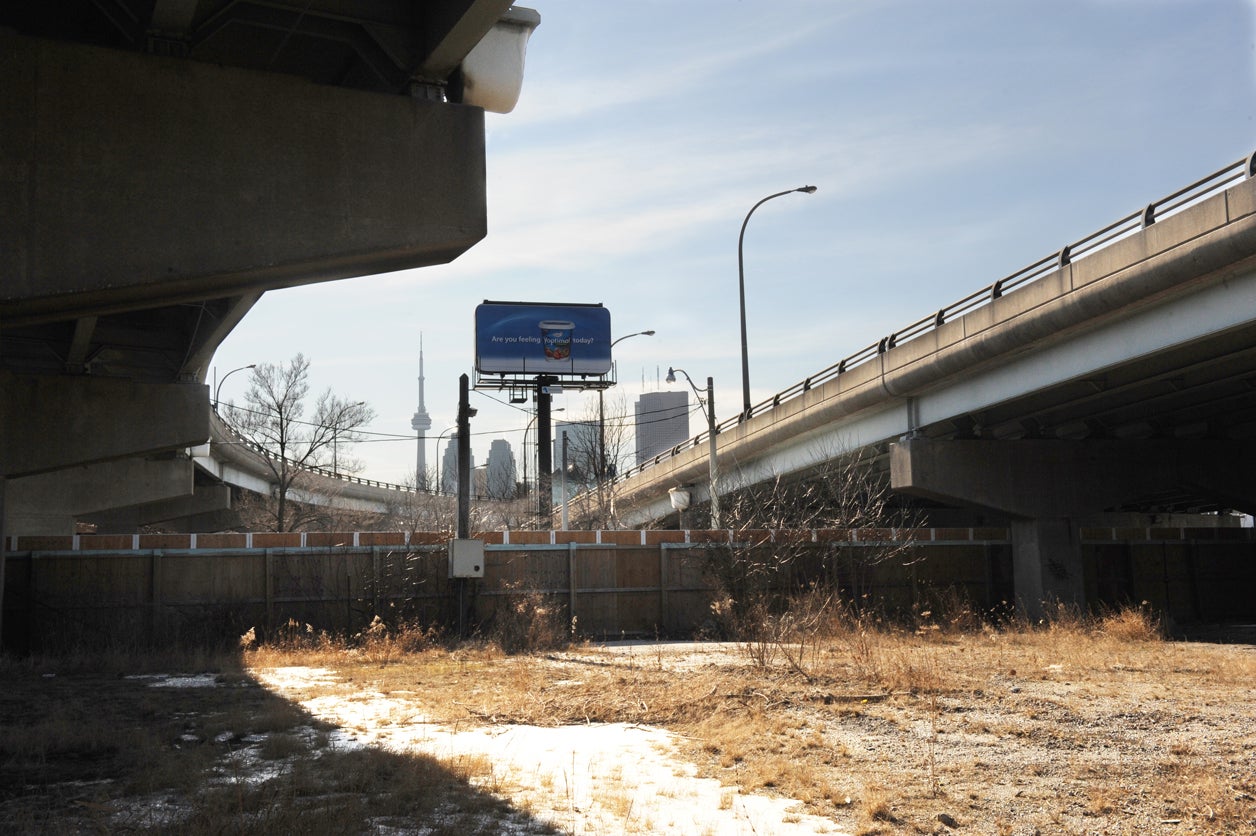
<point>663,586</point>
<point>374,578</point>
<point>988,553</point>
<point>571,581</point>
<point>268,566</point>
<point>154,594</point>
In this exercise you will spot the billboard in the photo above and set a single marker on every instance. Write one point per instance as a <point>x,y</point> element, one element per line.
<point>541,338</point>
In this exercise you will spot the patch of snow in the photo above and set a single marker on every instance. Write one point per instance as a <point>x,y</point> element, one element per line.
<point>297,676</point>
<point>596,778</point>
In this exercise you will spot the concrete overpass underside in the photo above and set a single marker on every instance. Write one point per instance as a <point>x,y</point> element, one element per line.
<point>165,162</point>
<point>1114,387</point>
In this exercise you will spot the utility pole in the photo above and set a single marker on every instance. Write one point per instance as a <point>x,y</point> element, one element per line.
<point>544,454</point>
<point>465,413</point>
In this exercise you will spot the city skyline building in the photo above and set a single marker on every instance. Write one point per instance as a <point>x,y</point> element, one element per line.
<point>582,446</point>
<point>449,466</point>
<point>662,422</point>
<point>500,474</point>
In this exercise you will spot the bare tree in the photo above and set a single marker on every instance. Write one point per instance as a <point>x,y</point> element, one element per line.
<point>601,449</point>
<point>423,511</point>
<point>272,419</point>
<point>776,561</point>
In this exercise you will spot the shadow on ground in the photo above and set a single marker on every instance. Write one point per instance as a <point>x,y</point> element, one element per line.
<point>108,747</point>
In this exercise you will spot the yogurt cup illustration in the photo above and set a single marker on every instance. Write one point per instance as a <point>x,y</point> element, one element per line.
<point>556,338</point>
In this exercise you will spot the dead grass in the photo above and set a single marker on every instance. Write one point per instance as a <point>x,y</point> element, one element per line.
<point>1073,725</point>
<point>84,751</point>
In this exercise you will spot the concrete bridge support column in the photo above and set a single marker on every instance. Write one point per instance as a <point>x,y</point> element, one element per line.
<point>3,560</point>
<point>1046,563</point>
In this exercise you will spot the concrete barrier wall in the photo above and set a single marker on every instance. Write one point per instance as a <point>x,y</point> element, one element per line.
<point>151,589</point>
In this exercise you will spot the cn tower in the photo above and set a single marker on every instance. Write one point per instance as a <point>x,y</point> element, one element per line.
<point>421,423</point>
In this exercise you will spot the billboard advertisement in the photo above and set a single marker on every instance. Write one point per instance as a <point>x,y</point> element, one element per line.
<point>540,338</point>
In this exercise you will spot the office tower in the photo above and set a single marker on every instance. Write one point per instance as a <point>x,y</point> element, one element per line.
<point>449,466</point>
<point>500,473</point>
<point>662,422</point>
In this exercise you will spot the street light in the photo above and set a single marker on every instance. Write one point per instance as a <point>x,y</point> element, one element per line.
<point>218,388</point>
<point>601,423</point>
<point>626,336</point>
<point>712,461</point>
<point>526,457</point>
<point>440,476</point>
<point>741,289</point>
<point>335,435</point>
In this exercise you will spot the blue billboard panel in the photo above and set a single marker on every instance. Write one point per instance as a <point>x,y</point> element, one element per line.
<point>540,338</point>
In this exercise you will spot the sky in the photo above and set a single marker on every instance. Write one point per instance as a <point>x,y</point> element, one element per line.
<point>952,142</point>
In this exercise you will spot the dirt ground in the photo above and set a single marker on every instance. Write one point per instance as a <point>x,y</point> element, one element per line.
<point>1050,731</point>
<point>1053,731</point>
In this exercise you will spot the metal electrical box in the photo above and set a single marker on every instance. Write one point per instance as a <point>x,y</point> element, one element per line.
<point>466,559</point>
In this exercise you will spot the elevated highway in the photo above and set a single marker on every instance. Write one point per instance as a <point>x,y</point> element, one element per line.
<point>1116,375</point>
<point>166,162</point>
<point>228,464</point>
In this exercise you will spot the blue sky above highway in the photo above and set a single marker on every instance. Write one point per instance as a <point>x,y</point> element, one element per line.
<point>952,143</point>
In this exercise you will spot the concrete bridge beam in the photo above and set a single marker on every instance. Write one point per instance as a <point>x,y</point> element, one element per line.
<point>1048,487</point>
<point>1050,478</point>
<point>208,505</point>
<point>50,503</point>
<point>68,444</point>
<point>55,422</point>
<point>137,181</point>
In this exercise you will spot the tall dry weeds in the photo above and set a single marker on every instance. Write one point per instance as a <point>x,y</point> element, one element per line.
<point>525,620</point>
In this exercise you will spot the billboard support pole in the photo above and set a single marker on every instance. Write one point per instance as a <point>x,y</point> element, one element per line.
<point>544,454</point>
<point>464,491</point>
<point>464,459</point>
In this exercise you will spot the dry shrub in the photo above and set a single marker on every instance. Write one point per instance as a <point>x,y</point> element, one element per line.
<point>757,627</point>
<point>382,645</point>
<point>875,813</point>
<point>947,612</point>
<point>377,643</point>
<point>1069,626</point>
<point>1064,620</point>
<point>1132,624</point>
<point>526,620</point>
<point>296,637</point>
<point>292,639</point>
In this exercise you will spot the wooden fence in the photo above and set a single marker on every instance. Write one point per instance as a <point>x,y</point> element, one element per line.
<point>155,589</point>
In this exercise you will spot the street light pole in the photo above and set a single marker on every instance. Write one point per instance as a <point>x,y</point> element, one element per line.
<point>526,458</point>
<point>335,436</point>
<point>741,290</point>
<point>440,475</point>
<point>713,467</point>
<point>218,388</point>
<point>601,428</point>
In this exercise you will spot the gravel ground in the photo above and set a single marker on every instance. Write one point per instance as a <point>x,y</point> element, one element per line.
<point>1084,737</point>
